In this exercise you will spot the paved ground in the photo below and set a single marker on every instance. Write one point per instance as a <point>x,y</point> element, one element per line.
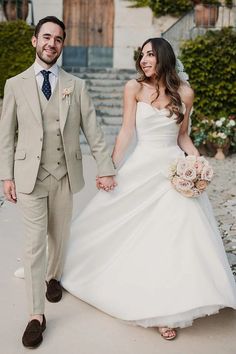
<point>75,327</point>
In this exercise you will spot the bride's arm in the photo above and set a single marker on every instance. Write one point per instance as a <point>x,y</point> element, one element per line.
<point>184,140</point>
<point>127,130</point>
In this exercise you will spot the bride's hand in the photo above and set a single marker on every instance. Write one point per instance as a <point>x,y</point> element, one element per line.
<point>107,183</point>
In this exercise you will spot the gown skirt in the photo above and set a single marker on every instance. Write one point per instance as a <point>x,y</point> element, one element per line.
<point>143,252</point>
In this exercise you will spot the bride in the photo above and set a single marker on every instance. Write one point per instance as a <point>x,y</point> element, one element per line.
<point>143,252</point>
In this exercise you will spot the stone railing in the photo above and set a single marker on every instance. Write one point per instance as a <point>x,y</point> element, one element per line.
<point>185,27</point>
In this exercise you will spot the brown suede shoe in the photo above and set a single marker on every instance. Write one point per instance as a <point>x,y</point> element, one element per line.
<point>54,291</point>
<point>32,336</point>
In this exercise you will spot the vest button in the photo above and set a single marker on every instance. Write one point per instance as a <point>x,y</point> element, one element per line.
<point>58,163</point>
<point>57,120</point>
<point>58,149</point>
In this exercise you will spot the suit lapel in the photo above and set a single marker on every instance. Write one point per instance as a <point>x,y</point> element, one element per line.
<point>30,90</point>
<point>66,83</point>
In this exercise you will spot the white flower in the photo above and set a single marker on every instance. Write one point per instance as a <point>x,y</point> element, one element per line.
<point>222,135</point>
<point>219,123</point>
<point>231,123</point>
<point>222,119</point>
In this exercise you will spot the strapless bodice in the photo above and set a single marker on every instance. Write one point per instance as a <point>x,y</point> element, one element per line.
<point>154,126</point>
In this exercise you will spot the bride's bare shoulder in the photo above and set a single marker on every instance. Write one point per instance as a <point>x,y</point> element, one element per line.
<point>186,94</point>
<point>132,87</point>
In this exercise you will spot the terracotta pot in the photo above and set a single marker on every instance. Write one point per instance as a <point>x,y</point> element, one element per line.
<point>219,154</point>
<point>15,9</point>
<point>205,15</point>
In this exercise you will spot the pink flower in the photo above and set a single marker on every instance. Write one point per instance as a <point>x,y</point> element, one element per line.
<point>181,166</point>
<point>189,174</point>
<point>201,185</point>
<point>188,193</point>
<point>182,184</point>
<point>207,173</point>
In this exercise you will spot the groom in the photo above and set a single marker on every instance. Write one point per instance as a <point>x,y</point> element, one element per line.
<point>41,163</point>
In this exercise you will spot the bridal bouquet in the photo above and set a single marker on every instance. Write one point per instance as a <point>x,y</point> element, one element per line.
<point>191,175</point>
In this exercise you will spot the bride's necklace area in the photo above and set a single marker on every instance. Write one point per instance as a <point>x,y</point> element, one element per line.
<point>159,103</point>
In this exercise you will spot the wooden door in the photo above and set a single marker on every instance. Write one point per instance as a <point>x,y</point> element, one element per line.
<point>90,28</point>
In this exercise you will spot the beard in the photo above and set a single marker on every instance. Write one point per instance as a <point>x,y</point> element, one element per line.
<point>45,59</point>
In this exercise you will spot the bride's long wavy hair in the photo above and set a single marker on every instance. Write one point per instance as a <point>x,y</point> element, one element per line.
<point>165,71</point>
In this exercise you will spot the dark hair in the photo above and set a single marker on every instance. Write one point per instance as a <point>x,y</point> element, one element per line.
<point>165,71</point>
<point>49,19</point>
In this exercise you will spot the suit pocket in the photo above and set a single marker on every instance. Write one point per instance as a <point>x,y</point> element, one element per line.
<point>20,155</point>
<point>78,155</point>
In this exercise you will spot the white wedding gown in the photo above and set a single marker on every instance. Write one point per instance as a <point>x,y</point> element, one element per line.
<point>143,252</point>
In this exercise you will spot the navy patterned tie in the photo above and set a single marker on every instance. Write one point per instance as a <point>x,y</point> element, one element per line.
<point>46,88</point>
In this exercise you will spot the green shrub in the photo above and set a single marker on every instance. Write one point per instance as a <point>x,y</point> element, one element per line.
<point>166,7</point>
<point>210,61</point>
<point>16,52</point>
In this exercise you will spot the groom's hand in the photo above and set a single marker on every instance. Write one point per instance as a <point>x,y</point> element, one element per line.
<point>107,183</point>
<point>9,190</point>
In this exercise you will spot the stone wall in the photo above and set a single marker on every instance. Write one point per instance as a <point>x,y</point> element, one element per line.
<point>132,27</point>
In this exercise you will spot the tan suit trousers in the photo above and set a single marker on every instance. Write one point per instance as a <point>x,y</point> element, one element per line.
<point>47,213</point>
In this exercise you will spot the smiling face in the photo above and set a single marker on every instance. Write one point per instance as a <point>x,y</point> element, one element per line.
<point>148,62</point>
<point>48,43</point>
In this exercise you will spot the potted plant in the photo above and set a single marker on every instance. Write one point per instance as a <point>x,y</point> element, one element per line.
<point>15,9</point>
<point>216,135</point>
<point>206,12</point>
<point>222,135</point>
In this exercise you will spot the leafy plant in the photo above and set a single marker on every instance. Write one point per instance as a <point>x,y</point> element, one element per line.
<point>221,132</point>
<point>16,52</point>
<point>165,7</point>
<point>207,2</point>
<point>210,61</point>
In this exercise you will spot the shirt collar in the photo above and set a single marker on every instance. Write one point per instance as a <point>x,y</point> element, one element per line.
<point>38,68</point>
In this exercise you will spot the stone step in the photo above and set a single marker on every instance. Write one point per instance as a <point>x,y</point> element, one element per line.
<point>111,121</point>
<point>106,112</point>
<point>106,88</point>
<point>107,104</point>
<point>105,96</point>
<point>105,82</point>
<point>99,72</point>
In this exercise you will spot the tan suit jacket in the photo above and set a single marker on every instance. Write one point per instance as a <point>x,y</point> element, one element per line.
<point>20,159</point>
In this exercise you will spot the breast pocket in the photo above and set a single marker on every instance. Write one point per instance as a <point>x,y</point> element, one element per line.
<point>20,155</point>
<point>78,155</point>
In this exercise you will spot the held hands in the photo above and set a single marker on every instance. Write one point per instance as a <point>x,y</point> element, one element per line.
<point>107,183</point>
<point>9,190</point>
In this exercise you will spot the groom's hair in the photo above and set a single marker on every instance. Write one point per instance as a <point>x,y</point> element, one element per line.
<point>50,19</point>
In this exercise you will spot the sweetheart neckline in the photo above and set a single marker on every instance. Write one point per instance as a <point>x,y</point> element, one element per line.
<point>158,109</point>
<point>148,104</point>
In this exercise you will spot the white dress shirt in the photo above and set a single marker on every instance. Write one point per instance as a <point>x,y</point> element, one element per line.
<point>53,77</point>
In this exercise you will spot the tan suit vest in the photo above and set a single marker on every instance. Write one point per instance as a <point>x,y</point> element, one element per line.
<point>53,157</point>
